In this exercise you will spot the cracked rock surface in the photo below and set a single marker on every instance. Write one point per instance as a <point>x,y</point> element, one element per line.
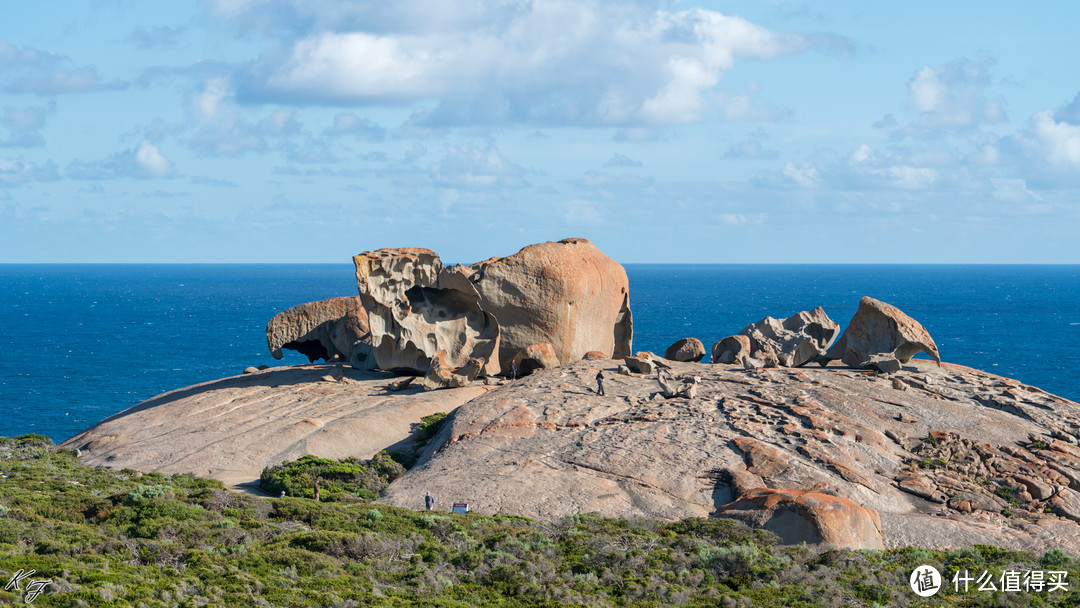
<point>547,446</point>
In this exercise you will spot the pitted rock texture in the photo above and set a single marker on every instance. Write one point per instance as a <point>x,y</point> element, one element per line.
<point>567,293</point>
<point>687,349</point>
<point>416,307</point>
<point>796,340</point>
<point>802,516</point>
<point>230,429</point>
<point>879,332</point>
<point>547,446</point>
<point>327,329</point>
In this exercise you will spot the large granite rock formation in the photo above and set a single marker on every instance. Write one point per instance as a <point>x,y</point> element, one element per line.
<point>544,447</point>
<point>796,340</point>
<point>880,335</point>
<point>945,456</point>
<point>231,428</point>
<point>567,293</point>
<point>416,307</point>
<point>327,329</point>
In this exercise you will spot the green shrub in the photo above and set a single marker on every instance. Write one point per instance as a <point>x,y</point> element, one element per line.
<point>430,425</point>
<point>1054,558</point>
<point>343,480</point>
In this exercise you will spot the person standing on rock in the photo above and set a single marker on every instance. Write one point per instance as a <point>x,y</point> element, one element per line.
<point>600,383</point>
<point>429,501</point>
<point>513,370</point>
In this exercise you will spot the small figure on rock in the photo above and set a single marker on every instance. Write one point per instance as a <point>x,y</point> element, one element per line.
<point>282,494</point>
<point>600,383</point>
<point>513,370</point>
<point>429,501</point>
<point>317,490</point>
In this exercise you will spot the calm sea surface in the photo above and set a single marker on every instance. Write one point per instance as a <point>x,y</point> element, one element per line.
<point>81,342</point>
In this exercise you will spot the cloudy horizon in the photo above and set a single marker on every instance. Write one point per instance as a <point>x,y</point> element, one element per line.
<point>664,131</point>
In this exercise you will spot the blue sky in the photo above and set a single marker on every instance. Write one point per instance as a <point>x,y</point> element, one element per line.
<point>718,132</point>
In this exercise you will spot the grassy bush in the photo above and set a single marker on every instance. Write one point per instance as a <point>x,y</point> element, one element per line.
<point>430,425</point>
<point>346,480</point>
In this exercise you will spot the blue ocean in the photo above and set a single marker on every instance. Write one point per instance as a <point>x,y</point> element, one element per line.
<point>81,342</point>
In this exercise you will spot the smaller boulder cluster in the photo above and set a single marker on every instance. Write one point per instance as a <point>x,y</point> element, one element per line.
<point>879,336</point>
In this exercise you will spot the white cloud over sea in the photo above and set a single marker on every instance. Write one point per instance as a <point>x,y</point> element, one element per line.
<point>588,62</point>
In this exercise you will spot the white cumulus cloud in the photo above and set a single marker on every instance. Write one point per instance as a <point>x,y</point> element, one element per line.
<point>590,62</point>
<point>151,162</point>
<point>1058,141</point>
<point>954,96</point>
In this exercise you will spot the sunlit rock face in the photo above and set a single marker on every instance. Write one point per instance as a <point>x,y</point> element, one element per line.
<point>328,329</point>
<point>795,340</point>
<point>881,336</point>
<point>566,293</point>
<point>416,307</point>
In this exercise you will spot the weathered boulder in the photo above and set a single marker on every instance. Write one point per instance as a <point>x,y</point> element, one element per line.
<point>881,329</point>
<point>443,375</point>
<point>567,293</point>
<point>731,349</point>
<point>764,357</point>
<point>670,387</point>
<point>1066,504</point>
<point>640,365</point>
<point>594,355</point>
<point>795,340</point>
<point>416,307</point>
<point>1038,489</point>
<point>687,349</point>
<point>816,518</point>
<point>327,329</point>
<point>535,356</point>
<point>884,362</point>
<point>645,362</point>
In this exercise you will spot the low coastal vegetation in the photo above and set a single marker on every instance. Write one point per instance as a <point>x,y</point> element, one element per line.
<point>347,480</point>
<point>101,537</point>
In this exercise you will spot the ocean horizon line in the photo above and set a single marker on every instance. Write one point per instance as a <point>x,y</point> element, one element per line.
<point>697,264</point>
